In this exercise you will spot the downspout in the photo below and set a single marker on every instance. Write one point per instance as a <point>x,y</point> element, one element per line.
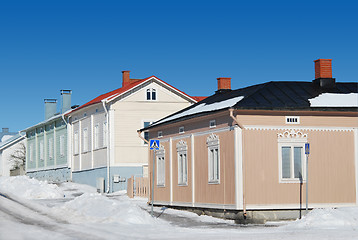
<point>231,110</point>
<point>68,152</point>
<point>108,144</point>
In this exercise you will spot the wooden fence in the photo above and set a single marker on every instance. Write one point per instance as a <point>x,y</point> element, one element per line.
<point>137,186</point>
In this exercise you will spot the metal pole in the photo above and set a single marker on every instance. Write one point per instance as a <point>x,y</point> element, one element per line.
<point>153,182</point>
<point>306,183</point>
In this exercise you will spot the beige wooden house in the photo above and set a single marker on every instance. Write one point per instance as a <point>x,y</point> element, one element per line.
<point>242,152</point>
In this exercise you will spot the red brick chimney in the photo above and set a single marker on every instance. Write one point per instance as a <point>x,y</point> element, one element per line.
<point>224,83</point>
<point>125,78</point>
<point>323,68</point>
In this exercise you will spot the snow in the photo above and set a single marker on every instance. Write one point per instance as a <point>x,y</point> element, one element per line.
<point>204,108</point>
<point>335,100</point>
<point>39,210</point>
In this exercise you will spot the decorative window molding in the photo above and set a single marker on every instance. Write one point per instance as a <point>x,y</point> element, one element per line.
<point>160,166</point>
<point>182,150</point>
<point>292,120</point>
<point>292,164</point>
<point>213,145</point>
<point>212,123</point>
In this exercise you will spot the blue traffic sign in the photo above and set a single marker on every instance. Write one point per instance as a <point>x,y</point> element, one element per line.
<point>154,144</point>
<point>307,148</point>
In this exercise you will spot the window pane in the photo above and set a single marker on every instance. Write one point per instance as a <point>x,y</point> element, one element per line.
<point>146,137</point>
<point>148,94</point>
<point>298,162</point>
<point>154,95</point>
<point>286,163</point>
<point>185,174</point>
<point>216,164</point>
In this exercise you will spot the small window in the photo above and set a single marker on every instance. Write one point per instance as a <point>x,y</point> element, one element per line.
<point>146,134</point>
<point>75,143</point>
<point>181,130</point>
<point>96,110</point>
<point>85,114</point>
<point>62,145</point>
<point>292,120</point>
<point>85,140</point>
<point>151,94</point>
<point>96,136</point>
<point>212,124</point>
<point>160,134</point>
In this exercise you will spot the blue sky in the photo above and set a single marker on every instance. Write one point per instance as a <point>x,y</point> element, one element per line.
<point>46,46</point>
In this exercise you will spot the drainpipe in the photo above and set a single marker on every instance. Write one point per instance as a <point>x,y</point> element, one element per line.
<point>108,143</point>
<point>68,139</point>
<point>231,110</point>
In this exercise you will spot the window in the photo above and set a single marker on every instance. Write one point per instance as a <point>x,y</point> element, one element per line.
<point>96,136</point>
<point>292,120</point>
<point>85,114</point>
<point>291,156</point>
<point>75,143</point>
<point>41,150</point>
<point>85,140</point>
<point>104,134</point>
<point>181,130</point>
<point>62,145</point>
<point>212,124</point>
<point>213,158</point>
<point>146,134</point>
<point>182,163</point>
<point>50,148</point>
<point>151,94</point>
<point>160,134</point>
<point>160,167</point>
<point>31,152</point>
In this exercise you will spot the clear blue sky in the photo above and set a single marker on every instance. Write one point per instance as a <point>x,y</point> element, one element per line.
<point>46,46</point>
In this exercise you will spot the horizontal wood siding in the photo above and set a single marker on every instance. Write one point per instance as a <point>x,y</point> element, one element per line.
<point>162,193</point>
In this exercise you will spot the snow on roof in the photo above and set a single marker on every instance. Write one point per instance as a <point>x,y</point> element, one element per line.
<point>204,107</point>
<point>335,100</point>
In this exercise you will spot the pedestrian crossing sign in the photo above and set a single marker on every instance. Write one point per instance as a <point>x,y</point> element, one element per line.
<point>154,144</point>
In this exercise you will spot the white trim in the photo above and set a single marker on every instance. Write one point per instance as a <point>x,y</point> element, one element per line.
<point>171,169</point>
<point>111,129</point>
<point>224,129</point>
<point>92,141</point>
<point>308,128</point>
<point>356,159</point>
<point>192,171</point>
<point>47,168</point>
<point>238,168</point>
<point>80,145</point>
<point>128,164</point>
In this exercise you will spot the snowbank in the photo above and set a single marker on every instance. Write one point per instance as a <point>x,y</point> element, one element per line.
<point>25,187</point>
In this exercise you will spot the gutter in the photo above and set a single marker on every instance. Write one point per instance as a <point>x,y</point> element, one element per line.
<point>108,144</point>
<point>231,111</point>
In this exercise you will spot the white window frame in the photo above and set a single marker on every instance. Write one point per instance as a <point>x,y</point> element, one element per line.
<point>292,139</point>
<point>62,145</point>
<point>160,157</point>
<point>85,140</point>
<point>212,124</point>
<point>50,148</point>
<point>152,92</point>
<point>181,130</point>
<point>76,143</point>
<point>42,155</point>
<point>105,134</point>
<point>182,153</point>
<point>96,136</point>
<point>213,145</point>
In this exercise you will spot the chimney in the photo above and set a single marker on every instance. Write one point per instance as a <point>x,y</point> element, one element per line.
<point>125,78</point>
<point>323,74</point>
<point>66,100</point>
<point>224,84</point>
<point>5,130</point>
<point>50,108</point>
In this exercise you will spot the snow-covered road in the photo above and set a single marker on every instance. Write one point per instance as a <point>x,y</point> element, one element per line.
<point>36,210</point>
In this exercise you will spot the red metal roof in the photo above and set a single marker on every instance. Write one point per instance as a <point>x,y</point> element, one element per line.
<point>113,94</point>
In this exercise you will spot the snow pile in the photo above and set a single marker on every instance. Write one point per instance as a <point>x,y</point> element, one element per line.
<point>329,218</point>
<point>204,108</point>
<point>335,100</point>
<point>94,207</point>
<point>25,187</point>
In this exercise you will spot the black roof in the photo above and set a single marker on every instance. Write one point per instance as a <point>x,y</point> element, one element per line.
<point>274,95</point>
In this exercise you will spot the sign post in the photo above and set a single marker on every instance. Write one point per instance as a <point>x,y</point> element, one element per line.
<point>153,145</point>
<point>307,152</point>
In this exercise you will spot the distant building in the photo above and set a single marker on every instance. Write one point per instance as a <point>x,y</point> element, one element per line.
<point>47,143</point>
<point>8,148</point>
<point>106,149</point>
<point>243,151</point>
<point>6,134</point>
